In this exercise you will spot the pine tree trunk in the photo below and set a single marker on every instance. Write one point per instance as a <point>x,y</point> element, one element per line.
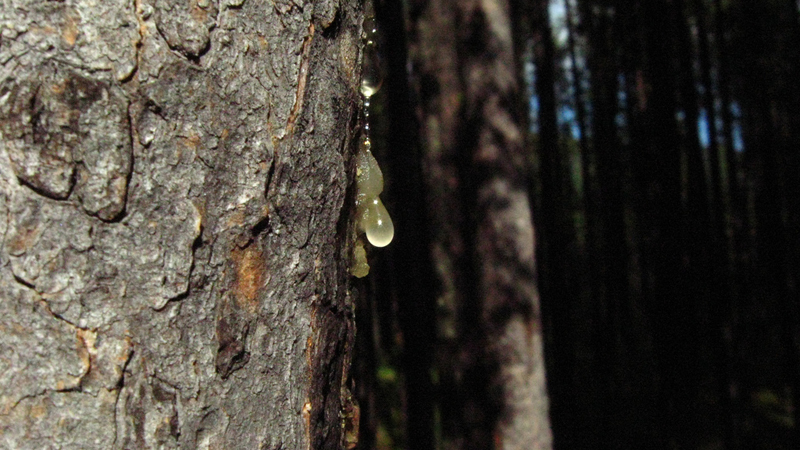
<point>472,117</point>
<point>174,213</point>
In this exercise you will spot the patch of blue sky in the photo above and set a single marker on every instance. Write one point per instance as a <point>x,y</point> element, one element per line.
<point>558,22</point>
<point>533,106</point>
<point>566,113</point>
<point>704,129</point>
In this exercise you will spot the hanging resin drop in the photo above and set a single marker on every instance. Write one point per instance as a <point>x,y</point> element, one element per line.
<point>379,226</point>
<point>371,71</point>
<point>369,178</point>
<point>370,29</point>
<point>372,218</point>
<point>360,267</point>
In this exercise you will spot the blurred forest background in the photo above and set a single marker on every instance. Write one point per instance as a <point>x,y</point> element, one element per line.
<point>661,166</point>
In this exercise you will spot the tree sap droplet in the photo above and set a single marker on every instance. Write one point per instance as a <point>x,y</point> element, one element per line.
<point>371,71</point>
<point>369,177</point>
<point>379,228</point>
<point>372,217</point>
<point>369,27</point>
<point>360,267</point>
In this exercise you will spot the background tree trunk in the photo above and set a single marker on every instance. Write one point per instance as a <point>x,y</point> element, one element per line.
<point>473,118</point>
<point>173,194</point>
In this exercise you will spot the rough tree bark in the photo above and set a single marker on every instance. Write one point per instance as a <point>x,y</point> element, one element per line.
<point>173,211</point>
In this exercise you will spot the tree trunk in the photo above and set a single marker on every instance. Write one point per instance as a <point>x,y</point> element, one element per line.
<point>472,119</point>
<point>174,190</point>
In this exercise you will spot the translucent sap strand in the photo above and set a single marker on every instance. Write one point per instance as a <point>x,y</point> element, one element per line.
<point>367,142</point>
<point>373,218</point>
